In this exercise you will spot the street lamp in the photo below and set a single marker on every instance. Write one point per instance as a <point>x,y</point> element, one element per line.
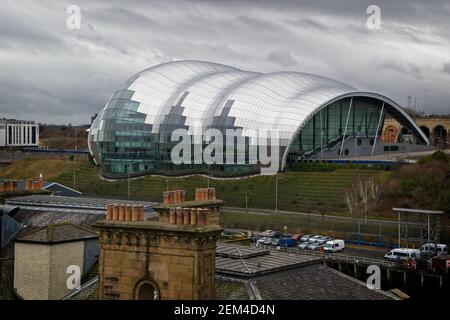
<point>74,176</point>
<point>276,195</point>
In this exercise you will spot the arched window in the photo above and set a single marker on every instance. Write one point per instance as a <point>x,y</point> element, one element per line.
<point>146,290</point>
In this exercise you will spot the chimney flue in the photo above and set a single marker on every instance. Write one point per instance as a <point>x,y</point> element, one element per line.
<point>179,212</point>
<point>109,212</point>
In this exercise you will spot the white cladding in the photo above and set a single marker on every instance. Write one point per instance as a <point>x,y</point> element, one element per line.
<point>18,133</point>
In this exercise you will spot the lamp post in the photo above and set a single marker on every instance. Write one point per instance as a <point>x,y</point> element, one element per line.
<point>74,177</point>
<point>246,202</point>
<point>276,195</point>
<point>76,140</point>
<point>128,195</point>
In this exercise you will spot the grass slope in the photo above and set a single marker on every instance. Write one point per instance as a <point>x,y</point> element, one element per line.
<point>320,192</point>
<point>31,168</point>
<point>297,191</point>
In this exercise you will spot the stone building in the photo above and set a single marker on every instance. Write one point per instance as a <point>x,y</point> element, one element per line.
<point>169,257</point>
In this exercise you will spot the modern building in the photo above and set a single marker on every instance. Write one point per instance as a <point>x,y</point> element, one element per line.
<point>18,133</point>
<point>306,117</point>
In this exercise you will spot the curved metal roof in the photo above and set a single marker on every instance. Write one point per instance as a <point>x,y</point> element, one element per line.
<point>208,93</point>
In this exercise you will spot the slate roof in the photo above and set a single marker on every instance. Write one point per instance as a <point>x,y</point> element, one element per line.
<point>227,289</point>
<point>71,204</point>
<point>57,233</point>
<point>315,282</point>
<point>261,264</point>
<point>34,220</point>
<point>243,252</point>
<point>278,275</point>
<point>37,218</point>
<point>88,291</point>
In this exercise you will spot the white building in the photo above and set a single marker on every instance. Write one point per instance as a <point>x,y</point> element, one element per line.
<point>18,133</point>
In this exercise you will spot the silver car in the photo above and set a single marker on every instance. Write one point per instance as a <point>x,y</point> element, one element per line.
<point>323,240</point>
<point>303,245</point>
<point>314,246</point>
<point>261,241</point>
<point>314,239</point>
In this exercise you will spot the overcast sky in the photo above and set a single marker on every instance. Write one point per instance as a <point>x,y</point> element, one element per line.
<point>52,74</point>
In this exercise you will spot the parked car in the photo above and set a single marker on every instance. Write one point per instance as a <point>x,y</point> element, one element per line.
<point>303,245</point>
<point>314,239</point>
<point>261,241</point>
<point>287,242</point>
<point>334,245</point>
<point>268,241</point>
<point>315,246</point>
<point>255,238</point>
<point>272,233</point>
<point>297,237</point>
<point>400,254</point>
<point>274,241</point>
<point>323,240</point>
<point>432,249</point>
<point>229,234</point>
<point>306,237</point>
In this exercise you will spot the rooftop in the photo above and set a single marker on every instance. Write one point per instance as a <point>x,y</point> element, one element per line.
<point>192,203</point>
<point>315,282</point>
<point>256,262</point>
<point>157,226</point>
<point>57,233</point>
<point>45,202</point>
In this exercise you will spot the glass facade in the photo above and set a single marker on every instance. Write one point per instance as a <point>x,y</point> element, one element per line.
<point>132,134</point>
<point>337,121</point>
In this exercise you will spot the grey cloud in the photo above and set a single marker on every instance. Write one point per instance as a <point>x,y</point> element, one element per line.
<point>398,66</point>
<point>283,59</point>
<point>56,75</point>
<point>446,67</point>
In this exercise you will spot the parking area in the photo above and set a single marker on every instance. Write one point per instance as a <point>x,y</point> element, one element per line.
<point>322,244</point>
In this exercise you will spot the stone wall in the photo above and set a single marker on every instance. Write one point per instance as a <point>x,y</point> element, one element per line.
<point>175,261</point>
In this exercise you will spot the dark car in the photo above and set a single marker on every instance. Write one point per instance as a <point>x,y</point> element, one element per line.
<point>287,242</point>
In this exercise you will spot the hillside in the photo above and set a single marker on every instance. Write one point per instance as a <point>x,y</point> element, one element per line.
<point>31,168</point>
<point>321,192</point>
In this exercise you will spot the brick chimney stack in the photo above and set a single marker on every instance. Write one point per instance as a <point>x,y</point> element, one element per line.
<point>172,257</point>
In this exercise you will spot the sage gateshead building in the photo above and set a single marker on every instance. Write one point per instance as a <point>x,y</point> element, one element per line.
<point>314,117</point>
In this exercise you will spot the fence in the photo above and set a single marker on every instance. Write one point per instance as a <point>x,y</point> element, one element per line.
<point>334,257</point>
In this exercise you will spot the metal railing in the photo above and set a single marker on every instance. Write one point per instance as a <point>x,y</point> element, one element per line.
<point>333,257</point>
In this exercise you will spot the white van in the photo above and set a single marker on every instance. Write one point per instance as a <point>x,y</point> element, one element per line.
<point>431,249</point>
<point>402,254</point>
<point>334,245</point>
